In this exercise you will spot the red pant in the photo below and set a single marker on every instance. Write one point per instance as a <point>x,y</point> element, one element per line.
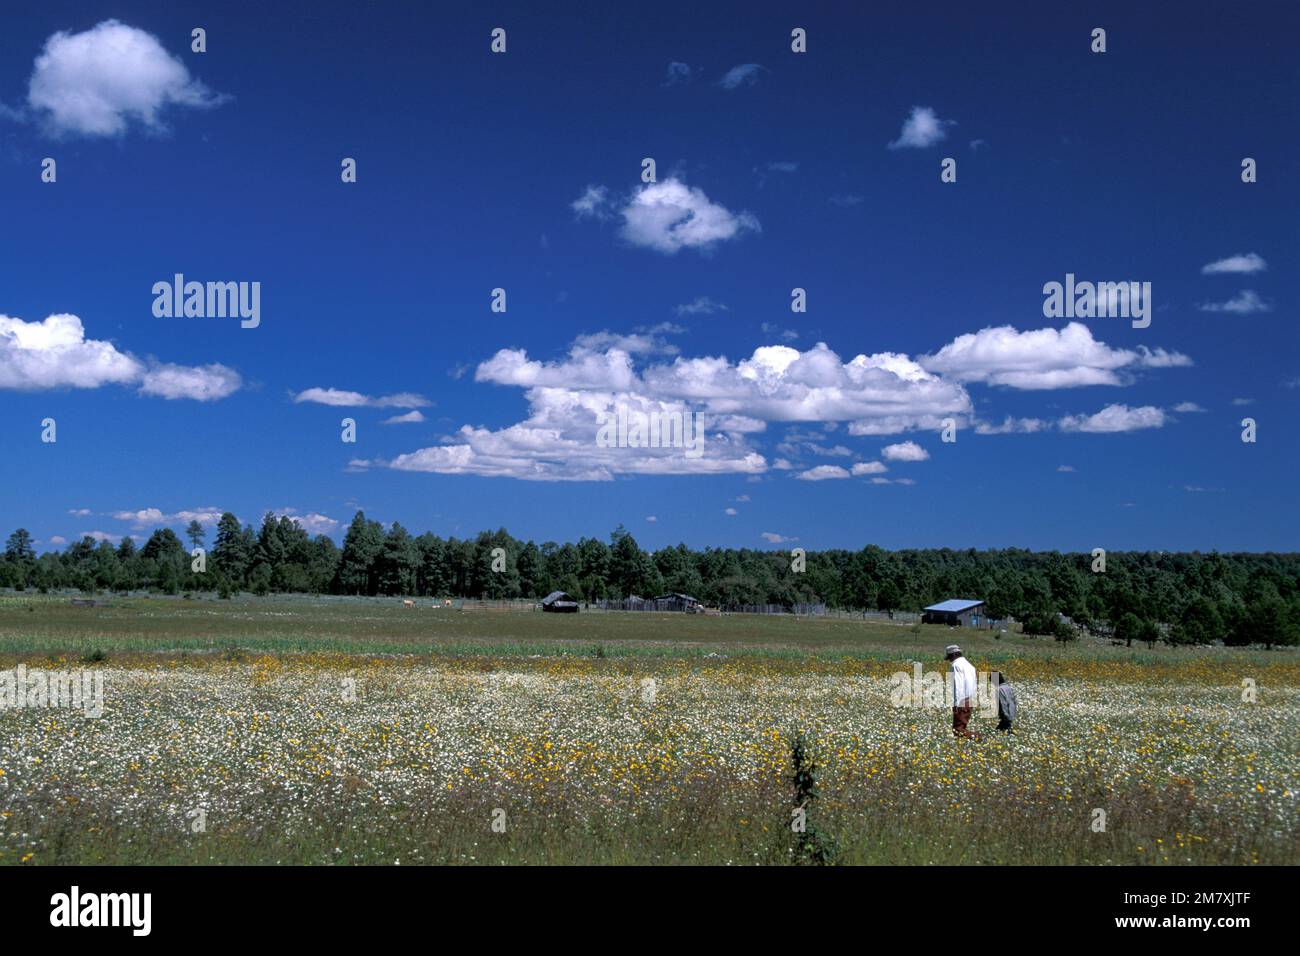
<point>960,718</point>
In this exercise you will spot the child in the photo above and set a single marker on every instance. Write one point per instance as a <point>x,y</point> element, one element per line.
<point>1006,702</point>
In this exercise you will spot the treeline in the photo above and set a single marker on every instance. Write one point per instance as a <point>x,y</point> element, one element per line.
<point>1148,596</point>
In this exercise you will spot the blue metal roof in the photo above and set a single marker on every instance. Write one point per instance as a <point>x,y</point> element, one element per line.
<point>956,605</point>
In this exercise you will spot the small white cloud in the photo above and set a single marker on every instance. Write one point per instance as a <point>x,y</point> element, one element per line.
<point>904,451</point>
<point>341,398</point>
<point>201,515</point>
<point>731,511</point>
<point>413,417</point>
<point>670,216</point>
<point>651,518</point>
<point>702,305</point>
<point>101,536</point>
<point>836,451</point>
<point>773,538</point>
<point>1012,426</point>
<point>1239,402</point>
<point>1245,302</point>
<point>633,344</point>
<point>146,517</point>
<point>141,517</point>
<point>314,523</point>
<point>786,335</point>
<point>921,129</point>
<point>1115,418</point>
<point>679,74</point>
<point>823,473</point>
<point>847,199</point>
<point>869,468</point>
<point>662,328</point>
<point>667,216</point>
<point>1187,407</point>
<point>1066,468</point>
<point>97,82</point>
<point>746,74</point>
<point>206,383</point>
<point>1241,263</point>
<point>594,203</point>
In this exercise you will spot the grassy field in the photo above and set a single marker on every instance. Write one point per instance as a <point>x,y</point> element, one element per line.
<point>328,731</point>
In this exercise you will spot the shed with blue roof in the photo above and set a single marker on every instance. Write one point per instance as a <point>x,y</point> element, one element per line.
<point>957,612</point>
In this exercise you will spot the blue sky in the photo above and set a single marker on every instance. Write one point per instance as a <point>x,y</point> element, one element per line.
<point>775,170</point>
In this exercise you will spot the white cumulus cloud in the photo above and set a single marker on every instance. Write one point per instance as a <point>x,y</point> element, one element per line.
<point>1115,418</point>
<point>95,83</point>
<point>667,216</point>
<point>904,451</point>
<point>205,383</point>
<point>55,353</point>
<point>1042,358</point>
<point>1243,263</point>
<point>671,216</point>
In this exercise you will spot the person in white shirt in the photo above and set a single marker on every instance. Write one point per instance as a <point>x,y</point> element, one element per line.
<point>964,688</point>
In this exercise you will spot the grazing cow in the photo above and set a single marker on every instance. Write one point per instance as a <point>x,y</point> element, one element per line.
<point>408,604</point>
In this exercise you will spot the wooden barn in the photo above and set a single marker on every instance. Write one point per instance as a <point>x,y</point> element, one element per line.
<point>560,602</point>
<point>958,612</point>
<point>678,602</point>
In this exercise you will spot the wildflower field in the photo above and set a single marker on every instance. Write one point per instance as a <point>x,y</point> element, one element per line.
<point>296,731</point>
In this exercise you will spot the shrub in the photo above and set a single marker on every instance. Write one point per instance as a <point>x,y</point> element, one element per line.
<point>812,846</point>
